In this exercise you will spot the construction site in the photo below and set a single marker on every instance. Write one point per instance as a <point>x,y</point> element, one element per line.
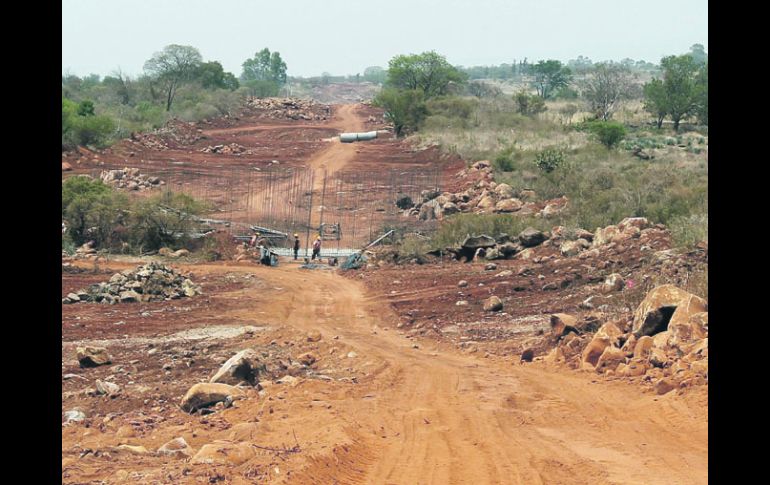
<point>532,358</point>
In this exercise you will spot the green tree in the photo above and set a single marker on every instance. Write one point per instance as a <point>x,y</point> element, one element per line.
<point>91,210</point>
<point>702,90</point>
<point>607,86</point>
<point>549,76</point>
<point>265,66</point>
<point>172,67</point>
<point>698,54</point>
<point>655,100</point>
<point>679,88</point>
<point>86,108</point>
<point>375,74</point>
<point>404,108</point>
<point>428,72</point>
<point>212,76</point>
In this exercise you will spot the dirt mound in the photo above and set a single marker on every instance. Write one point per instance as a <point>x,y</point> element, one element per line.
<point>151,282</point>
<point>231,149</point>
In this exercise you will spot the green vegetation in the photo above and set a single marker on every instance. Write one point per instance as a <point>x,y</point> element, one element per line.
<point>681,93</point>
<point>549,159</point>
<point>95,212</point>
<point>456,228</point>
<point>608,133</point>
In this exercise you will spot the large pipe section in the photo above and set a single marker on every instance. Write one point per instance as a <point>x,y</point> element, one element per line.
<point>351,137</point>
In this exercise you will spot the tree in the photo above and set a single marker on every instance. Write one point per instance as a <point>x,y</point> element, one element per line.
<point>480,89</point>
<point>172,67</point>
<point>679,84</point>
<point>212,76</point>
<point>698,54</point>
<point>375,74</point>
<point>404,108</point>
<point>120,85</point>
<point>655,100</point>
<point>86,108</point>
<point>606,87</point>
<point>428,72</point>
<point>265,66</point>
<point>549,76</point>
<point>702,94</point>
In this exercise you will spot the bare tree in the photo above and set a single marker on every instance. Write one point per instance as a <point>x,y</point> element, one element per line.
<point>607,87</point>
<point>171,67</point>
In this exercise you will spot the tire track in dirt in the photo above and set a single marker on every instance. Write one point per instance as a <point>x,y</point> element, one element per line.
<point>438,417</point>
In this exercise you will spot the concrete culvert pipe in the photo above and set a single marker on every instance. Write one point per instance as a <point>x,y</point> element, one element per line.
<point>351,137</point>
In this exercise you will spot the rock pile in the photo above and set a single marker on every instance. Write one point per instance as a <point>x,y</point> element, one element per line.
<point>130,179</point>
<point>231,149</point>
<point>151,282</point>
<point>174,134</point>
<point>482,197</point>
<point>664,344</point>
<point>290,108</point>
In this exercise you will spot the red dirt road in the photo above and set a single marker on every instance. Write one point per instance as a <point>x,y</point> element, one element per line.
<point>429,415</point>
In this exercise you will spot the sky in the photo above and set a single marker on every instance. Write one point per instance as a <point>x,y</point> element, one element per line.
<point>346,36</point>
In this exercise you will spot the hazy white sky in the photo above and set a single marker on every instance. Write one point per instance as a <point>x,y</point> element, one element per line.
<point>346,36</point>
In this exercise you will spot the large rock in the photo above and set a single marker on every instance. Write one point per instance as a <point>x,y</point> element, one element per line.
<point>504,191</point>
<point>572,248</point>
<point>93,356</point>
<point>508,205</point>
<point>107,388</point>
<point>450,208</point>
<point>177,448</point>
<point>493,304</point>
<point>642,347</point>
<point>610,358</point>
<point>594,350</point>
<point>222,452</point>
<point>531,237</point>
<point>665,305</point>
<point>486,202</point>
<point>475,242</point>
<point>562,323</point>
<point>614,282</point>
<point>243,366</point>
<point>206,394</point>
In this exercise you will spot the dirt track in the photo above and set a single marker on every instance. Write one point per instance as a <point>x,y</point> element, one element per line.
<point>431,415</point>
<point>425,415</point>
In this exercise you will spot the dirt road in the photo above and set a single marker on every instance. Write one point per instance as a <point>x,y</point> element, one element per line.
<point>435,416</point>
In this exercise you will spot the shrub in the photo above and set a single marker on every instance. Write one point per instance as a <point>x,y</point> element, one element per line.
<point>91,210</point>
<point>506,160</point>
<point>549,159</point>
<point>529,104</point>
<point>405,109</point>
<point>609,133</point>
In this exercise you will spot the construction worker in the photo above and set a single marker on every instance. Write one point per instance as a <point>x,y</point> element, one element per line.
<point>253,241</point>
<point>316,248</point>
<point>296,246</point>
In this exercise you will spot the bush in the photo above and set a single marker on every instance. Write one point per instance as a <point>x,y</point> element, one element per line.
<point>406,109</point>
<point>163,220</point>
<point>687,231</point>
<point>506,160</point>
<point>609,133</point>
<point>529,104</point>
<point>549,159</point>
<point>91,210</point>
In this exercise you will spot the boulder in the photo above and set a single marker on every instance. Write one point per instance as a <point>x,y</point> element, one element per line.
<point>531,237</point>
<point>137,450</point>
<point>562,324</point>
<point>450,208</point>
<point>92,356</point>
<point>699,323</point>
<point>462,283</point>
<point>642,347</point>
<point>205,394</point>
<point>314,336</point>
<point>594,350</point>
<point>243,366</point>
<point>570,248</point>
<point>493,304</point>
<point>306,359</point>
<point>504,191</point>
<point>527,355</point>
<point>508,249</point>
<point>609,359</point>
<point>664,385</point>
<point>475,242</point>
<point>486,202</point>
<point>74,415</point>
<point>107,388</point>
<point>603,236</point>
<point>66,167</point>
<point>612,283</point>
<point>223,452</point>
<point>639,223</point>
<point>508,205</point>
<point>176,448</point>
<point>664,305</point>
